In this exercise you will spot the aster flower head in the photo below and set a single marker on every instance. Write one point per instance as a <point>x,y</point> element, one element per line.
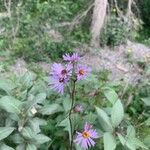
<point>71,58</point>
<point>82,72</point>
<point>60,76</point>
<point>58,84</point>
<point>60,70</point>
<point>85,138</point>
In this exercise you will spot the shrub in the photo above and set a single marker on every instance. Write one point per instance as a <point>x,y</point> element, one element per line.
<point>27,33</point>
<point>115,32</point>
<point>22,103</point>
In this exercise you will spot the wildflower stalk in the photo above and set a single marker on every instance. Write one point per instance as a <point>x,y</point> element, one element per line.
<point>72,105</point>
<point>62,75</point>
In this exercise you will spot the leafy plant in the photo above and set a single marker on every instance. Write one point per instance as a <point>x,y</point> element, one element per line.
<point>115,32</point>
<point>24,104</point>
<point>35,117</point>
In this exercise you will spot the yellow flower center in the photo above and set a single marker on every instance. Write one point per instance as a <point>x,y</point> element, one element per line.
<point>81,72</point>
<point>85,134</point>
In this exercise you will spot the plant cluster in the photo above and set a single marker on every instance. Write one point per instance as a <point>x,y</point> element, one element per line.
<point>115,32</point>
<point>84,112</point>
<point>31,32</point>
<point>22,103</point>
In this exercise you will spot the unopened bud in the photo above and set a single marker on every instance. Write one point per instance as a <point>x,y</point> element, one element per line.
<point>78,108</point>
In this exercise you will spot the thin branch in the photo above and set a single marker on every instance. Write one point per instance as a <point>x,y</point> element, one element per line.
<point>119,12</point>
<point>7,5</point>
<point>77,19</point>
<point>129,9</point>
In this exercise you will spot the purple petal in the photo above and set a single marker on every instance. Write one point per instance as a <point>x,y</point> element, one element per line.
<point>93,133</point>
<point>92,143</point>
<point>82,72</point>
<point>71,58</point>
<point>84,144</point>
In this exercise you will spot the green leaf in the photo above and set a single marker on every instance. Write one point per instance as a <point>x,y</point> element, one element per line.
<point>67,104</point>
<point>28,133</point>
<point>5,131</point>
<point>111,95</point>
<point>5,147</point>
<point>91,117</point>
<point>146,141</point>
<point>41,138</point>
<point>126,142</point>
<point>40,98</point>
<point>147,122</point>
<point>117,113</point>
<point>51,109</point>
<point>31,147</point>
<point>131,131</point>
<point>65,123</point>
<point>27,79</point>
<point>17,138</point>
<point>10,104</point>
<point>138,143</point>
<point>35,124</point>
<point>104,120</point>
<point>6,85</point>
<point>122,139</point>
<point>21,147</point>
<point>109,141</point>
<point>146,101</point>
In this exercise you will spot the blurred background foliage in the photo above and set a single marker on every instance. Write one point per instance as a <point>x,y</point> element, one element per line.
<point>42,29</point>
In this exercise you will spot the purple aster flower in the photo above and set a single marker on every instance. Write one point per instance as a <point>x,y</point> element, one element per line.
<point>82,72</point>
<point>58,84</point>
<point>71,58</point>
<point>60,76</point>
<point>85,138</point>
<point>61,71</point>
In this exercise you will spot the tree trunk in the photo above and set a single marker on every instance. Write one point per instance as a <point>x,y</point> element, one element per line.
<point>129,10</point>
<point>99,14</point>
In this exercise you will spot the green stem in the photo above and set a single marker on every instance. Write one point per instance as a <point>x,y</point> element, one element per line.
<point>70,121</point>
